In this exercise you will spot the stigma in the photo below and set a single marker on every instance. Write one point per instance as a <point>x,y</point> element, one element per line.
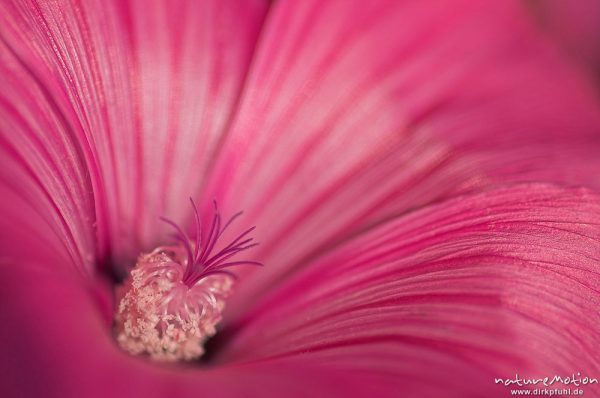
<point>174,297</point>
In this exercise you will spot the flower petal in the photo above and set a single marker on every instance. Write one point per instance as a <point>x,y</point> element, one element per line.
<point>146,89</point>
<point>485,285</point>
<point>46,200</point>
<point>56,345</point>
<point>354,113</point>
<point>575,25</point>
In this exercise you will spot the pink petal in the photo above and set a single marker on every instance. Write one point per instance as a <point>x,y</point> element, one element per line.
<point>141,90</point>
<point>46,198</point>
<point>575,25</point>
<point>354,113</point>
<point>481,286</point>
<point>434,304</point>
<point>56,345</point>
<point>99,124</point>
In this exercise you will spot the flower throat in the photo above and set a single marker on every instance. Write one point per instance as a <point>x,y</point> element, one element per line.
<point>174,297</point>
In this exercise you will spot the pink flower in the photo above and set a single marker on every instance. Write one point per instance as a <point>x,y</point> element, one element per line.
<point>421,176</point>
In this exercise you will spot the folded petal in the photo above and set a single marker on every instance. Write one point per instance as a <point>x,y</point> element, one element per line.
<point>143,89</point>
<point>450,296</point>
<point>354,113</point>
<point>46,192</point>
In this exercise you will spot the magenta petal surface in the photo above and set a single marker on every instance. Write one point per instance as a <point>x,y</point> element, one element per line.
<point>342,129</point>
<point>55,345</point>
<point>575,25</point>
<point>354,113</point>
<point>142,90</point>
<point>46,192</point>
<point>481,286</point>
<point>436,303</point>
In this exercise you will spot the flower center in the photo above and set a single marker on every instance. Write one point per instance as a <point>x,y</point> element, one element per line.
<point>174,297</point>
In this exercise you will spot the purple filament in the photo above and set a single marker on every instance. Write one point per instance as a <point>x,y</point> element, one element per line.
<point>200,263</point>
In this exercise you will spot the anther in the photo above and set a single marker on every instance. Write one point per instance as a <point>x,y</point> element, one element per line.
<point>173,300</point>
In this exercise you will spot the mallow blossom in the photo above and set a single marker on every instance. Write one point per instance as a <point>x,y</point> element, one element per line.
<point>421,177</point>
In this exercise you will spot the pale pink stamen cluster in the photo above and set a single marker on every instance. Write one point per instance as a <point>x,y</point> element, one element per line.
<point>161,316</point>
<point>173,300</point>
